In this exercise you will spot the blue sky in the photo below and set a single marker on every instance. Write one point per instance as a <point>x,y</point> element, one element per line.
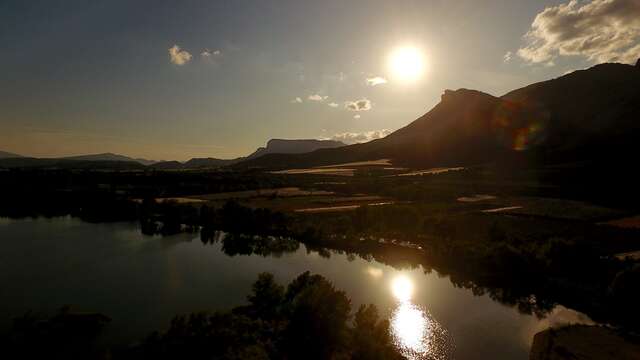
<point>96,76</point>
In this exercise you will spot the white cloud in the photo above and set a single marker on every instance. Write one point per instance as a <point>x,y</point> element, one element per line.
<point>177,56</point>
<point>358,105</point>
<point>356,116</point>
<point>297,100</point>
<point>206,53</point>
<point>317,97</point>
<point>507,57</point>
<point>360,137</point>
<point>377,80</point>
<point>334,105</point>
<point>599,30</point>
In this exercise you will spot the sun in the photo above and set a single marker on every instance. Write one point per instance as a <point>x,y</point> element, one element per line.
<point>407,63</point>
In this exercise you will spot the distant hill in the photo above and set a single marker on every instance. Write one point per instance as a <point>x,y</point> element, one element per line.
<point>6,155</point>
<point>46,163</point>
<point>279,146</point>
<point>586,115</point>
<point>108,157</point>
<point>285,146</point>
<point>106,161</point>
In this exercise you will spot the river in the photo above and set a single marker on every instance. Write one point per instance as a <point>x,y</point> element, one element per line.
<point>142,281</point>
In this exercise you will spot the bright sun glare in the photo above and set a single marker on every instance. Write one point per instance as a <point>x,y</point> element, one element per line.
<point>407,63</point>
<point>402,288</point>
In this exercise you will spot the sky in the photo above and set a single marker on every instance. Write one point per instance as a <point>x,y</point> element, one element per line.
<point>173,80</point>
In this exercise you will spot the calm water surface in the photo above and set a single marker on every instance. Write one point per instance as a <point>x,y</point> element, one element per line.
<point>141,282</point>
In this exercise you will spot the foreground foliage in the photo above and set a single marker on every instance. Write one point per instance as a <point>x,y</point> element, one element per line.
<point>309,319</point>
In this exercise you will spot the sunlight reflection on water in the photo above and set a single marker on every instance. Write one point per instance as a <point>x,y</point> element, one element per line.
<point>416,334</point>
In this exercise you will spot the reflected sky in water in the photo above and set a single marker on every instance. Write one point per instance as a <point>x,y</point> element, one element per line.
<point>141,282</point>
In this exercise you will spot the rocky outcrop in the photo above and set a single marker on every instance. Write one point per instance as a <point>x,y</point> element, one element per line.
<point>584,343</point>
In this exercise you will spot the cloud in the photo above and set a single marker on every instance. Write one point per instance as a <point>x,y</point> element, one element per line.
<point>317,97</point>
<point>206,53</point>
<point>356,116</point>
<point>177,56</point>
<point>358,105</point>
<point>334,105</point>
<point>297,100</point>
<point>377,80</point>
<point>507,57</point>
<point>599,30</point>
<point>360,137</point>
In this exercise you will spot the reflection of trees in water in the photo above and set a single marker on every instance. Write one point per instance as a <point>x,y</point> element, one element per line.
<point>520,295</point>
<point>240,244</point>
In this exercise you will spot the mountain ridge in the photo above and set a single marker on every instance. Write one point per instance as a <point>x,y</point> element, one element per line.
<point>569,118</point>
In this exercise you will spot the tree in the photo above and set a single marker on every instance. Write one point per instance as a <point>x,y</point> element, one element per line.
<point>318,315</point>
<point>266,296</point>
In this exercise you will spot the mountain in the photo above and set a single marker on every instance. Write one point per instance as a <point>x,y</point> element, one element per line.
<point>208,163</point>
<point>279,146</point>
<point>7,155</point>
<point>52,163</point>
<point>582,116</point>
<point>284,146</point>
<point>107,157</point>
<point>167,165</point>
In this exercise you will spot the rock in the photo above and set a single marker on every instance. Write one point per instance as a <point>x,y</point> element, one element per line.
<point>583,342</point>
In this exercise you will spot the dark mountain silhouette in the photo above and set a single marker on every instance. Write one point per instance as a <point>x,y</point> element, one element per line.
<point>167,165</point>
<point>285,146</point>
<point>586,115</point>
<point>47,163</point>
<point>107,157</point>
<point>7,155</point>
<point>280,146</point>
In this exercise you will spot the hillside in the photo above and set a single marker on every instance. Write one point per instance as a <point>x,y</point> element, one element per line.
<point>274,146</point>
<point>107,157</point>
<point>285,146</point>
<point>8,155</point>
<point>567,119</point>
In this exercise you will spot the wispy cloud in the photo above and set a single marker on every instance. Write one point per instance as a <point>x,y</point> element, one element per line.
<point>507,57</point>
<point>377,80</point>
<point>333,104</point>
<point>599,30</point>
<point>360,137</point>
<point>358,105</point>
<point>178,56</point>
<point>208,53</point>
<point>297,100</point>
<point>317,97</point>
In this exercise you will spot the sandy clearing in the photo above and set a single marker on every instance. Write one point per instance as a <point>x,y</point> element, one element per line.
<point>632,222</point>
<point>379,162</point>
<point>318,171</point>
<point>433,171</point>
<point>502,209</point>
<point>475,198</point>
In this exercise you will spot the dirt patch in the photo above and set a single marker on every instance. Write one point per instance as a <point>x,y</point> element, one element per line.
<point>632,222</point>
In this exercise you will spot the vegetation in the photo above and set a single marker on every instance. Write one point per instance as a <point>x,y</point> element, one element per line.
<point>529,260</point>
<point>308,319</point>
